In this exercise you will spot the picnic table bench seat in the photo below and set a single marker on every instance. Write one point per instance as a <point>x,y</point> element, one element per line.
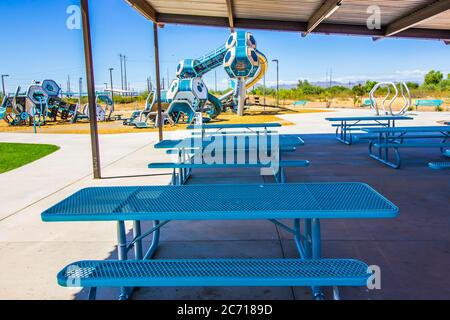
<point>419,136</point>
<point>161,204</point>
<point>214,272</point>
<point>300,103</point>
<point>283,148</point>
<point>388,140</point>
<point>358,125</point>
<point>178,179</point>
<point>429,103</point>
<point>412,145</point>
<point>234,126</point>
<point>197,142</point>
<point>439,165</point>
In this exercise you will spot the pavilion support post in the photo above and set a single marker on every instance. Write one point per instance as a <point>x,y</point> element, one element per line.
<point>158,81</point>
<point>91,88</point>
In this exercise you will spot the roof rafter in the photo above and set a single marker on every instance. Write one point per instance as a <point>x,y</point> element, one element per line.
<point>419,15</point>
<point>294,26</point>
<point>144,8</point>
<point>230,14</point>
<point>325,11</point>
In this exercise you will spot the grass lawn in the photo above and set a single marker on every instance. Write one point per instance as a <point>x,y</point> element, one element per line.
<point>15,155</point>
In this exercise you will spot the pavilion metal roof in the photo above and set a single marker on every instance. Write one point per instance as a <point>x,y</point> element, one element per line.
<point>428,19</point>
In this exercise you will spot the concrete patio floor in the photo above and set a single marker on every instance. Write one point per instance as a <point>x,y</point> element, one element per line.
<point>413,250</point>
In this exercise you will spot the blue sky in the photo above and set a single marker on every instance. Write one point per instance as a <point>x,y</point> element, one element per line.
<point>39,45</point>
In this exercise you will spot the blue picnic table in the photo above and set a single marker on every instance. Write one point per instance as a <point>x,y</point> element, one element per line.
<point>234,151</point>
<point>235,126</point>
<point>243,127</point>
<point>346,126</point>
<point>386,140</point>
<point>307,202</point>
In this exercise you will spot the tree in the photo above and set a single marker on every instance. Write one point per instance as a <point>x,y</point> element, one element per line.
<point>358,92</point>
<point>368,86</point>
<point>433,77</point>
<point>412,85</point>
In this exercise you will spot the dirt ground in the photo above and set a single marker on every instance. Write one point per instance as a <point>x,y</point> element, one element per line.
<point>254,114</point>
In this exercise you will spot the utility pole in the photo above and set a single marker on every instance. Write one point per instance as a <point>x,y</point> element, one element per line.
<point>3,83</point>
<point>121,71</point>
<point>106,86</point>
<point>278,83</point>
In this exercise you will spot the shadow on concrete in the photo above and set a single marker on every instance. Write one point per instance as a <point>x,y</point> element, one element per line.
<point>413,251</point>
<point>137,176</point>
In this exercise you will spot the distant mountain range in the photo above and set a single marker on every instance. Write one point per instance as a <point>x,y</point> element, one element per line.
<point>322,84</point>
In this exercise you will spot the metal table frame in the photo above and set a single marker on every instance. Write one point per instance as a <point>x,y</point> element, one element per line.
<point>185,146</point>
<point>344,130</point>
<point>398,136</point>
<point>307,239</point>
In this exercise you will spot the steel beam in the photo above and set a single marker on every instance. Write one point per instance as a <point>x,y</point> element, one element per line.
<point>144,8</point>
<point>158,81</point>
<point>230,14</point>
<point>294,26</point>
<point>91,88</point>
<point>417,16</point>
<point>325,11</point>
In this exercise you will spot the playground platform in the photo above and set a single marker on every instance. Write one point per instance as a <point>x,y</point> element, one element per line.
<point>412,250</point>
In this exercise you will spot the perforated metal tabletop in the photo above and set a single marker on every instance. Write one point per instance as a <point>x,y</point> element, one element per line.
<point>235,126</point>
<point>223,202</point>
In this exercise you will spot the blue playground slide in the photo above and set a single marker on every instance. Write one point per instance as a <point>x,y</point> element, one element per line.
<point>242,62</point>
<point>188,94</point>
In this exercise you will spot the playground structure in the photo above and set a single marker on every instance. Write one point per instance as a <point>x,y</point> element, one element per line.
<point>386,109</point>
<point>141,118</point>
<point>103,113</point>
<point>188,95</point>
<point>39,104</point>
<point>42,102</point>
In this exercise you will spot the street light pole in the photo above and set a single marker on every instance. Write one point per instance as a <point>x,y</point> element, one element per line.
<point>112,90</point>
<point>111,84</point>
<point>3,83</point>
<point>278,86</point>
<point>264,91</point>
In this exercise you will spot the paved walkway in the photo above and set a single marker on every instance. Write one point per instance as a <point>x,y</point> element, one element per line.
<point>412,250</point>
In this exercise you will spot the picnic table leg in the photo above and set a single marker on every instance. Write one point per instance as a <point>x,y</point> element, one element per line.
<point>299,241</point>
<point>122,255</point>
<point>316,252</point>
<point>138,245</point>
<point>307,232</point>
<point>344,132</point>
<point>155,242</point>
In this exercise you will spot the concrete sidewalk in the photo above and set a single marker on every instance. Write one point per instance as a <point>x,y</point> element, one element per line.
<point>412,250</point>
